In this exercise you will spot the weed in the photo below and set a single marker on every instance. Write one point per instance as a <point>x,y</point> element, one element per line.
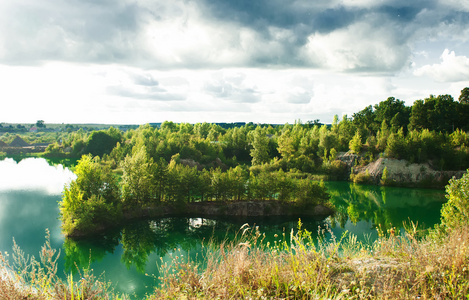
<point>29,278</point>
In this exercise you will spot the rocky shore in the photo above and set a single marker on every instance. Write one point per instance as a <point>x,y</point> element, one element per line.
<point>403,173</point>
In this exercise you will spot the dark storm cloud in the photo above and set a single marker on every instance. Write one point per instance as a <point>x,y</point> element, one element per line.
<point>307,17</point>
<point>284,14</point>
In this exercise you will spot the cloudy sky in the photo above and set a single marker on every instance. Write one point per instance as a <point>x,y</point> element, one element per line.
<point>272,61</point>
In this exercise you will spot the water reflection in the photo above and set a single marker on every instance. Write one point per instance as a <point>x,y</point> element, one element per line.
<point>139,240</point>
<point>384,207</point>
<point>33,174</point>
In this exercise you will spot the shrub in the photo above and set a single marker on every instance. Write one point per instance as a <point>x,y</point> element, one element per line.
<point>455,213</point>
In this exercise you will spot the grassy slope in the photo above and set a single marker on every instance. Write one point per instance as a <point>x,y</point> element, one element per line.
<point>394,267</point>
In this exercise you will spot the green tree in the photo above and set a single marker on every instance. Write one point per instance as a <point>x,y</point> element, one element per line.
<point>92,199</point>
<point>382,136</point>
<point>365,119</point>
<point>396,145</point>
<point>326,141</point>
<point>285,186</point>
<point>309,193</point>
<point>355,144</point>
<point>394,112</point>
<point>455,212</point>
<point>464,97</point>
<point>419,115</point>
<point>159,176</point>
<point>101,142</point>
<point>137,178</point>
<point>443,113</point>
<point>384,176</point>
<point>346,131</point>
<point>286,145</point>
<point>260,146</point>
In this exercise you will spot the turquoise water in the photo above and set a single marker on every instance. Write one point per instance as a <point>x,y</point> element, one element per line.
<point>129,256</point>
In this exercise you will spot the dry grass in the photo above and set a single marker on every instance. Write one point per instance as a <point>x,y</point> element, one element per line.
<point>28,278</point>
<point>394,267</point>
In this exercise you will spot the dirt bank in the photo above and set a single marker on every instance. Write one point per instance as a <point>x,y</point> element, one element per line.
<point>401,172</point>
<point>266,208</point>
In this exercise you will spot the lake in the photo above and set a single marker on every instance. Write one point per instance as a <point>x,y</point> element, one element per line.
<point>30,190</point>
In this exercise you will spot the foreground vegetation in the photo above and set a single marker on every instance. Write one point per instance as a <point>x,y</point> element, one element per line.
<point>416,264</point>
<point>394,267</point>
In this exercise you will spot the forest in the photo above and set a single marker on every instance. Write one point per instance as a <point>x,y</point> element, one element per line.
<point>120,172</point>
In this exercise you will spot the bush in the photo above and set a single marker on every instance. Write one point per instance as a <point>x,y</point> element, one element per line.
<point>455,213</point>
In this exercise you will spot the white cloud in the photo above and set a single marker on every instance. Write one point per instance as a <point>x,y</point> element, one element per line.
<point>452,68</point>
<point>359,47</point>
<point>362,3</point>
<point>232,86</point>
<point>460,5</point>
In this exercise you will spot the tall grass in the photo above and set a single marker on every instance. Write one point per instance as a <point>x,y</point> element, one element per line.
<point>295,266</point>
<point>28,278</point>
<point>393,267</point>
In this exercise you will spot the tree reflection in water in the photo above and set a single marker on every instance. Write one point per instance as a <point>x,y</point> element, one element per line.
<point>384,207</point>
<point>141,239</point>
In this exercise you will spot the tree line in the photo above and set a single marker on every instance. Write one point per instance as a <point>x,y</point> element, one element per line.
<point>432,130</point>
<point>182,163</point>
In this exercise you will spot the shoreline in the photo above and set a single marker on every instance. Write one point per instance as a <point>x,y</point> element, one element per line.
<point>213,209</point>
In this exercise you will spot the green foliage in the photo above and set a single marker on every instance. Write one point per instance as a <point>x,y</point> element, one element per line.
<point>455,212</point>
<point>102,142</point>
<point>355,144</point>
<point>137,182</point>
<point>384,176</point>
<point>392,111</point>
<point>464,97</point>
<point>183,163</point>
<point>260,149</point>
<point>396,145</point>
<point>309,193</point>
<point>54,150</point>
<point>440,113</point>
<point>91,200</point>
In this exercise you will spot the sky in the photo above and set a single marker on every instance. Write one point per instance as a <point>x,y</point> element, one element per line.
<point>261,61</point>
